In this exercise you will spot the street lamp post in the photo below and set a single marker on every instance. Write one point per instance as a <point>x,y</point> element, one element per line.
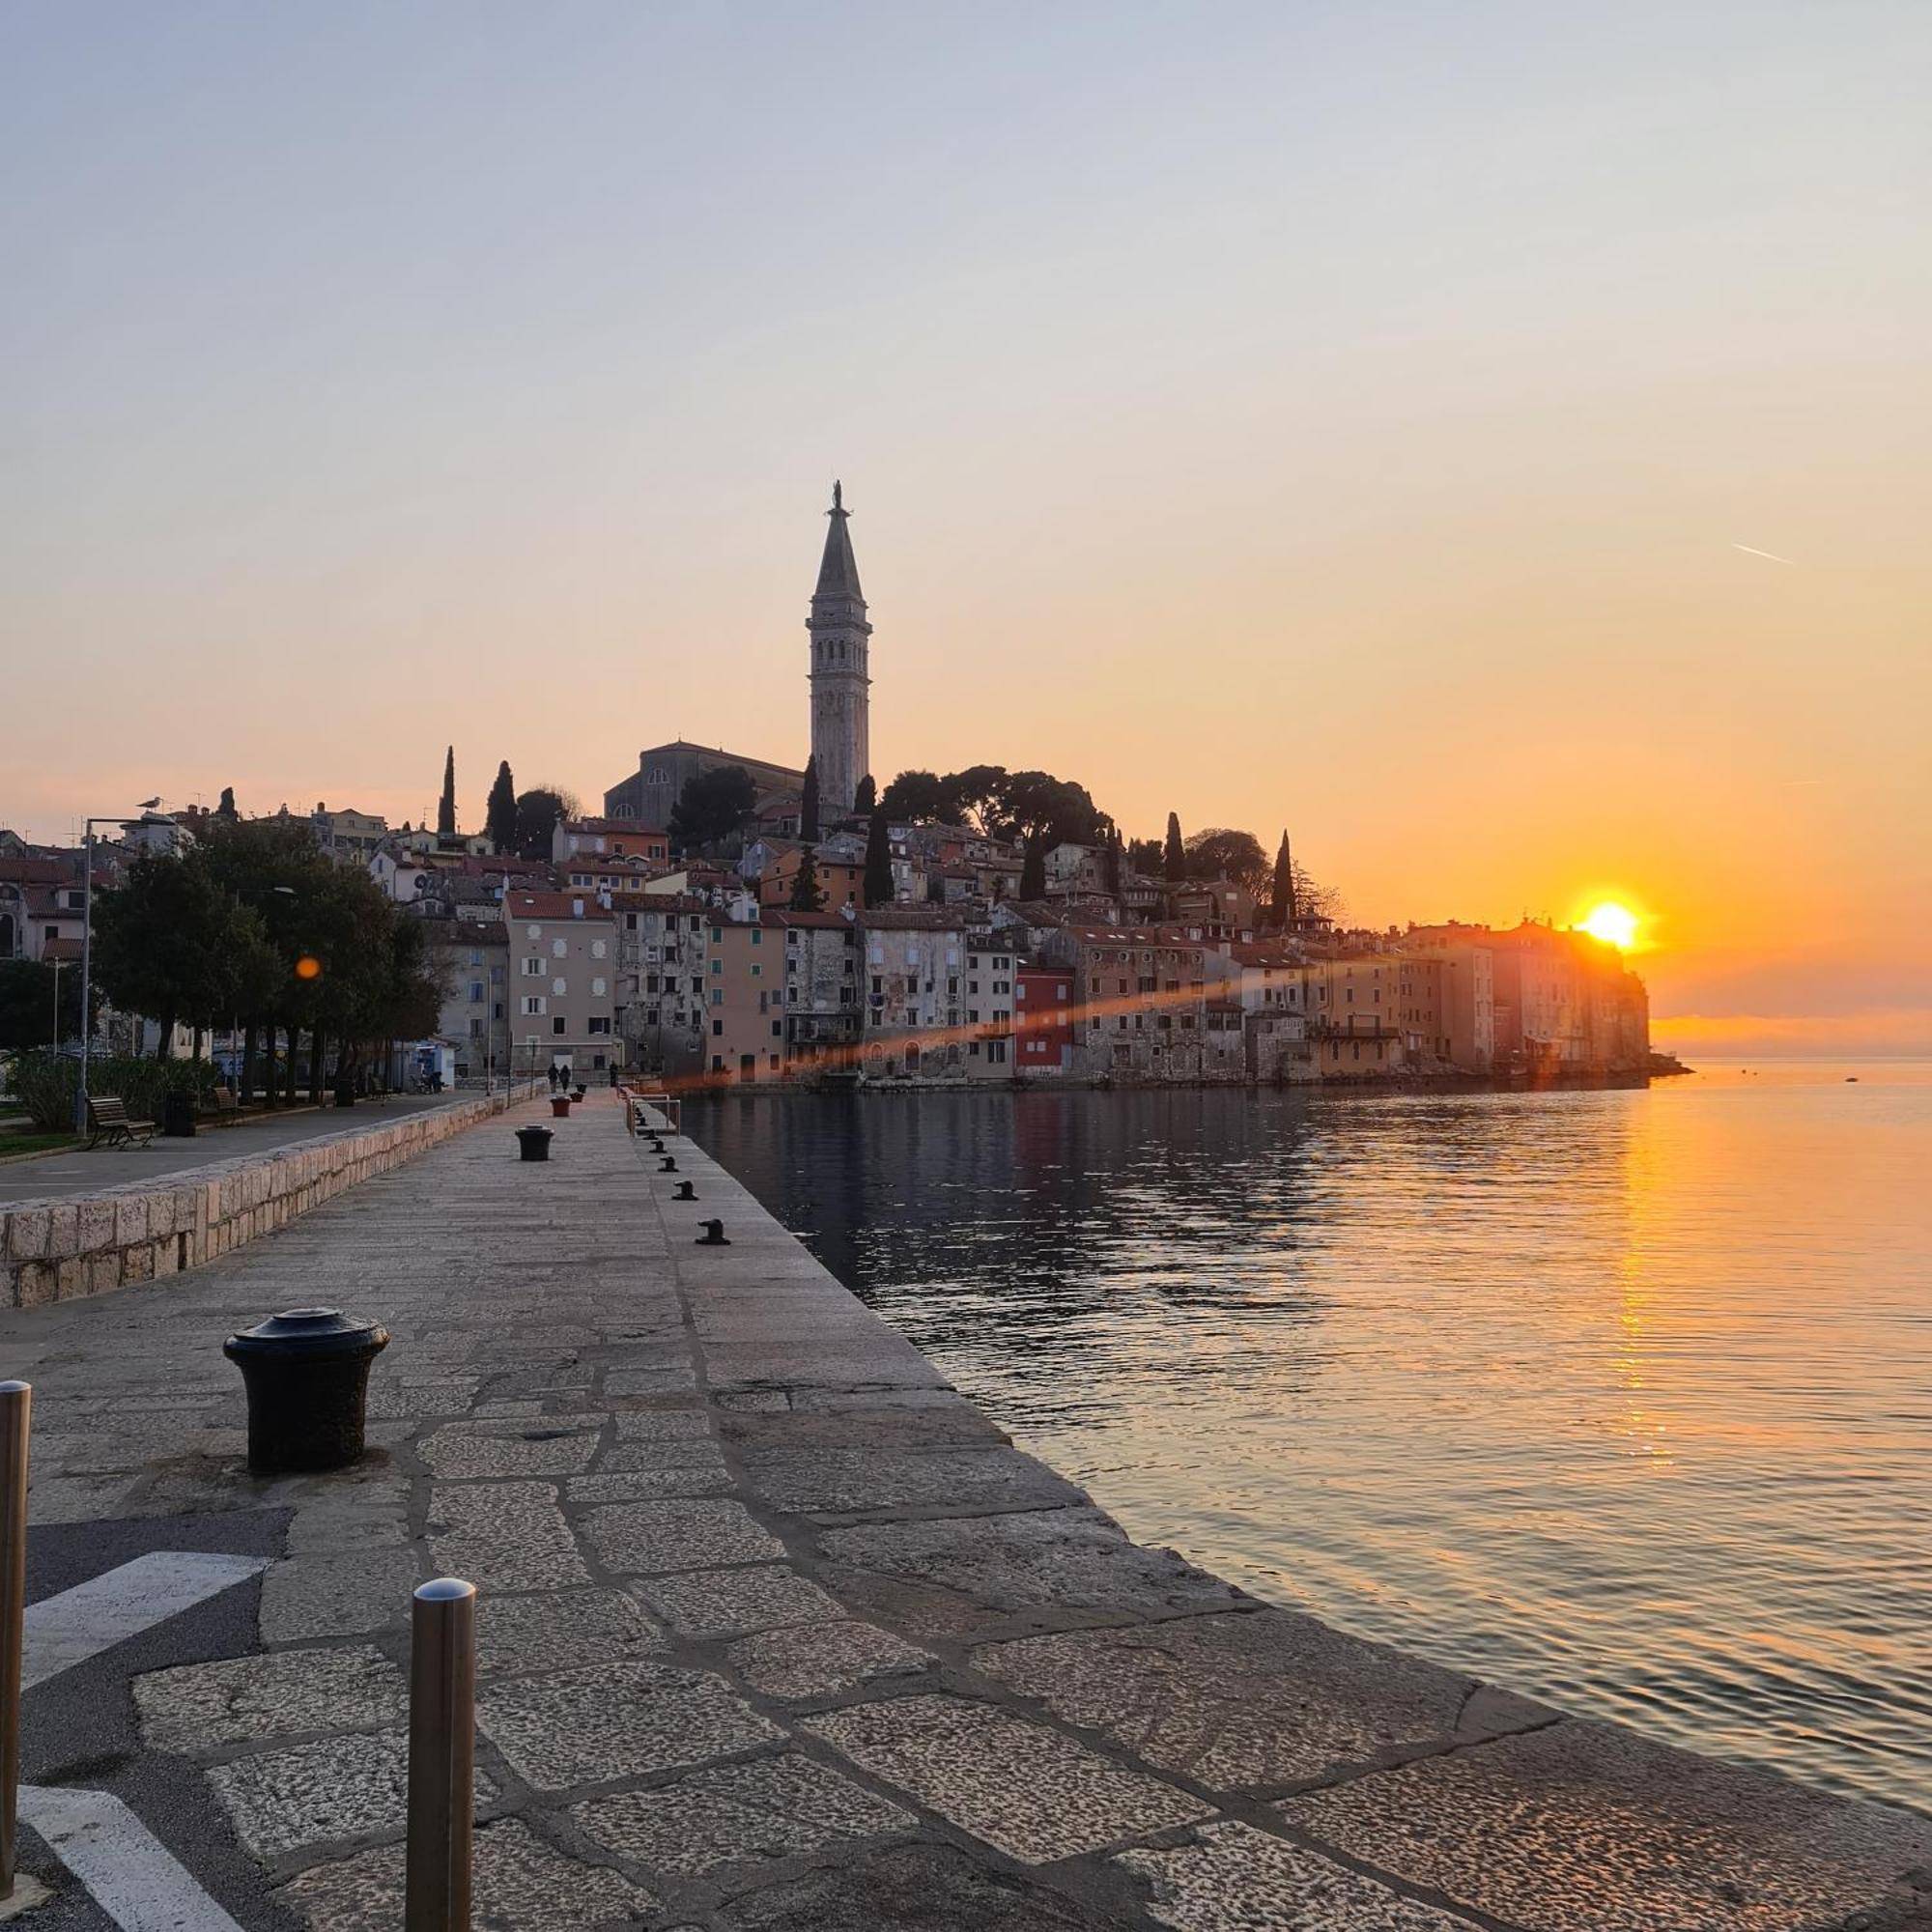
<point>87,950</point>
<point>57,965</point>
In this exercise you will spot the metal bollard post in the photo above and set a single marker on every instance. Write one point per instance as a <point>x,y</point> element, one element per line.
<point>17,1408</point>
<point>442,1756</point>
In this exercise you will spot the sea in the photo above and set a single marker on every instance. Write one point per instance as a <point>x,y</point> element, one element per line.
<point>1620,1397</point>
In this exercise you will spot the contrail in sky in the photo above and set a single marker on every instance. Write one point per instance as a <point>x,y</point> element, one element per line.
<point>1773,556</point>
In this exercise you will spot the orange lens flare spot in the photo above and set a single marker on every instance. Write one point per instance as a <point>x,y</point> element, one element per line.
<point>308,967</point>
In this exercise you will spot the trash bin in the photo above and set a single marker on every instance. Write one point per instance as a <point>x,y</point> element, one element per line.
<point>306,1371</point>
<point>178,1113</point>
<point>533,1143</point>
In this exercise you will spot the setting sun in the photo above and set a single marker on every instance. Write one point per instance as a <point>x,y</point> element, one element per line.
<point>1609,921</point>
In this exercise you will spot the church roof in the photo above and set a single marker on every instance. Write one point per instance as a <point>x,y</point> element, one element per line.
<point>839,571</point>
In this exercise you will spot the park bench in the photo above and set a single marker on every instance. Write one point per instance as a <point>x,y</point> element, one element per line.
<point>109,1121</point>
<point>227,1100</point>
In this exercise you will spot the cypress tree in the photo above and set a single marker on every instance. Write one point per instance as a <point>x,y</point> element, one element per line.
<point>1173,860</point>
<point>1283,906</point>
<point>868,794</point>
<point>500,820</point>
<point>806,895</point>
<point>1032,868</point>
<point>445,811</point>
<point>807,815</point>
<point>878,860</point>
<point>1110,875</point>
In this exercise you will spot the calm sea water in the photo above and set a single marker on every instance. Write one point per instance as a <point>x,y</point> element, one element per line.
<point>1620,1397</point>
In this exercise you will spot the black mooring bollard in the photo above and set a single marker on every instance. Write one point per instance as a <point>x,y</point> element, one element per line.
<point>685,1192</point>
<point>713,1236</point>
<point>669,1164</point>
<point>307,1373</point>
<point>533,1143</point>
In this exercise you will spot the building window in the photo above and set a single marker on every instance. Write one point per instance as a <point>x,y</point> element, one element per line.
<point>534,1002</point>
<point>718,996</point>
<point>534,969</point>
<point>598,989</point>
<point>559,986</point>
<point>717,1029</point>
<point>559,1024</point>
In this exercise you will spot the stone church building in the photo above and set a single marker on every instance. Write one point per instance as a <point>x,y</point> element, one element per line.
<point>839,682</point>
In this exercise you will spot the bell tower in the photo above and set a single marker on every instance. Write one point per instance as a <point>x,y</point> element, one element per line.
<point>840,733</point>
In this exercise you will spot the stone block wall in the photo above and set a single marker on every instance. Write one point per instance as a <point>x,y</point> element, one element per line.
<point>59,1249</point>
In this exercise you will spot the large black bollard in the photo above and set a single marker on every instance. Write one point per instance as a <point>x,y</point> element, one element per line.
<point>306,1371</point>
<point>713,1236</point>
<point>685,1192</point>
<point>533,1143</point>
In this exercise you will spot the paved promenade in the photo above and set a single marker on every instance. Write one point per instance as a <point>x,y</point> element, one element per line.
<point>76,1171</point>
<point>777,1631</point>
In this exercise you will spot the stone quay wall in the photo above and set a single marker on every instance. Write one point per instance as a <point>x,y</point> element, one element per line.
<point>61,1249</point>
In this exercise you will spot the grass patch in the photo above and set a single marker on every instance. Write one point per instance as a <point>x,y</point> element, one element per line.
<point>33,1142</point>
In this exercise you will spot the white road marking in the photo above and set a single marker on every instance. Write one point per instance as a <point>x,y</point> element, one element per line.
<point>131,1875</point>
<point>93,1616</point>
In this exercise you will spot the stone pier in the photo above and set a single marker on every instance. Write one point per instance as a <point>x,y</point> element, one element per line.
<point>777,1630</point>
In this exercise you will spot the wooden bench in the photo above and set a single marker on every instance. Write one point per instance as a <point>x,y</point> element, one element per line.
<point>227,1100</point>
<point>109,1121</point>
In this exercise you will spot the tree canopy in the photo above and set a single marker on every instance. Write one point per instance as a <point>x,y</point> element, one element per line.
<point>806,895</point>
<point>27,1018</point>
<point>1223,853</point>
<point>1173,854</point>
<point>998,804</point>
<point>499,815</point>
<point>539,812</point>
<point>255,923</point>
<point>712,806</point>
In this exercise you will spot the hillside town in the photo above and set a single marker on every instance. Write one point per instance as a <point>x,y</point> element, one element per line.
<point>726,918</point>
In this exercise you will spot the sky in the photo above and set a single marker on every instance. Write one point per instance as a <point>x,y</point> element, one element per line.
<point>1357,418</point>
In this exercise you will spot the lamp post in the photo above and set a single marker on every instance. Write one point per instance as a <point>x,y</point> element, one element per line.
<point>87,950</point>
<point>57,965</point>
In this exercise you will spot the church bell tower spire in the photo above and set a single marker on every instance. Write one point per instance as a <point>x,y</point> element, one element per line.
<point>841,735</point>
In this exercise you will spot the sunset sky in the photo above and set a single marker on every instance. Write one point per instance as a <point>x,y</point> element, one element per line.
<point>1358,419</point>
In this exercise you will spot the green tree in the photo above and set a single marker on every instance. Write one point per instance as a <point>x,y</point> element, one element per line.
<point>1143,857</point>
<point>879,860</point>
<point>1111,869</point>
<point>539,812</point>
<point>1033,869</point>
<point>806,895</point>
<point>27,1018</point>
<point>1224,853</point>
<point>500,815</point>
<point>1280,900</point>
<point>712,806</point>
<point>918,795</point>
<point>173,944</point>
<point>807,810</point>
<point>866,796</point>
<point>1174,858</point>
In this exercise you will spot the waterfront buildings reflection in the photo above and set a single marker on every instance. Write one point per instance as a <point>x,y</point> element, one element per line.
<point>1614,1396</point>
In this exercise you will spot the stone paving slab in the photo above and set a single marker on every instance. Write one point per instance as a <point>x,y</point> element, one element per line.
<point>770,1807</point>
<point>1032,1792</point>
<point>1526,1828</point>
<point>777,1632</point>
<point>1252,1703</point>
